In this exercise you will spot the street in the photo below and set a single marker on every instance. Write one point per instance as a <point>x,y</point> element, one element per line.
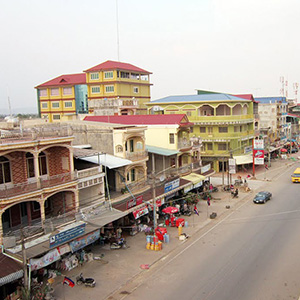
<point>251,253</point>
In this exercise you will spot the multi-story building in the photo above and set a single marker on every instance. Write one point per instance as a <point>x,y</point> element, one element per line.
<point>223,122</point>
<point>106,89</point>
<point>123,152</point>
<point>65,95</point>
<point>167,140</point>
<point>273,113</point>
<point>114,80</point>
<point>39,186</point>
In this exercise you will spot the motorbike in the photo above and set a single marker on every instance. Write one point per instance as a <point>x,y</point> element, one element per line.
<point>235,194</point>
<point>118,244</point>
<point>90,282</point>
<point>185,212</point>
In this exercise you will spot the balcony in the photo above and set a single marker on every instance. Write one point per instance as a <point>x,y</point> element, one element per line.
<point>222,119</point>
<point>11,190</point>
<point>88,172</point>
<point>138,155</point>
<point>183,143</point>
<point>37,133</point>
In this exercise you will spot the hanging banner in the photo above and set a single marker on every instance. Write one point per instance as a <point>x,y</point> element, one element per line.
<point>259,157</point>
<point>231,166</point>
<point>172,185</point>
<point>84,241</point>
<point>135,201</point>
<point>44,261</point>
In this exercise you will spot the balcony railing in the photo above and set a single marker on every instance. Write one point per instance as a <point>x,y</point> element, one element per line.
<point>138,155</point>
<point>183,143</point>
<point>37,133</point>
<point>10,190</point>
<point>88,172</point>
<point>213,119</point>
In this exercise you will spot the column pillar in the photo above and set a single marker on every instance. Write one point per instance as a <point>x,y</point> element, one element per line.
<point>76,193</point>
<point>42,210</point>
<point>71,160</point>
<point>1,229</point>
<point>36,168</point>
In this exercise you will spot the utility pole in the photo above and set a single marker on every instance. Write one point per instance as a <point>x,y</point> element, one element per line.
<point>153,191</point>
<point>24,259</point>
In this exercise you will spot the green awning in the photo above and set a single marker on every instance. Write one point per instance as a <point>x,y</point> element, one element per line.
<point>161,151</point>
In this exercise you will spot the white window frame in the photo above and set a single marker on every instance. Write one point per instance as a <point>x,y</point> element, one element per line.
<point>109,75</point>
<point>109,89</point>
<point>52,92</point>
<point>135,89</point>
<point>67,89</point>
<point>95,87</point>
<point>44,105</point>
<point>94,76</point>
<point>68,104</point>
<point>54,103</point>
<point>43,91</point>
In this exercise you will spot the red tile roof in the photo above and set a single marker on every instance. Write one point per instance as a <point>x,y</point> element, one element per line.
<point>246,96</point>
<point>69,79</point>
<point>179,119</point>
<point>116,65</point>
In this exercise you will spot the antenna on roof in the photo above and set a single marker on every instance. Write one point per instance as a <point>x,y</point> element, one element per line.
<point>118,43</point>
<point>9,104</point>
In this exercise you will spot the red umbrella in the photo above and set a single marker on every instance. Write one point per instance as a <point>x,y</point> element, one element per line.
<point>283,150</point>
<point>170,210</point>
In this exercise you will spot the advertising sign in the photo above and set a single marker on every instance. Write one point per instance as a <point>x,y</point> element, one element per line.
<point>85,240</point>
<point>140,212</point>
<point>67,235</point>
<point>231,164</point>
<point>259,157</point>
<point>172,185</point>
<point>45,260</point>
<point>258,144</point>
<point>135,201</point>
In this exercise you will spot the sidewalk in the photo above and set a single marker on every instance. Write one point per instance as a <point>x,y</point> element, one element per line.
<point>118,267</point>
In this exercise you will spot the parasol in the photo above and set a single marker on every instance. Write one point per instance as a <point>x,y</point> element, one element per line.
<point>170,210</point>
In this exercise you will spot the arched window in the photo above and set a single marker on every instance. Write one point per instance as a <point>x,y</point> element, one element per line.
<point>43,164</point>
<point>119,148</point>
<point>30,165</point>
<point>4,170</point>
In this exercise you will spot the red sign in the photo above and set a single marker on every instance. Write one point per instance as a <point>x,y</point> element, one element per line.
<point>259,156</point>
<point>158,203</point>
<point>134,201</point>
<point>140,212</point>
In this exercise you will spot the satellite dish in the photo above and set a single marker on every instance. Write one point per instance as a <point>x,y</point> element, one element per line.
<point>162,178</point>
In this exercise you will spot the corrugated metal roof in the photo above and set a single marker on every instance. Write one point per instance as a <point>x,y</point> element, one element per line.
<point>177,119</point>
<point>108,160</point>
<point>10,269</point>
<point>69,79</point>
<point>270,99</point>
<point>116,65</point>
<point>198,98</point>
<point>161,151</point>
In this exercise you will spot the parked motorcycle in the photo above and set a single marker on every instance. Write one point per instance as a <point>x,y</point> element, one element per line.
<point>90,282</point>
<point>235,194</point>
<point>118,244</point>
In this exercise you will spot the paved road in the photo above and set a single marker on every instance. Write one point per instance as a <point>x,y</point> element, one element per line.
<point>252,253</point>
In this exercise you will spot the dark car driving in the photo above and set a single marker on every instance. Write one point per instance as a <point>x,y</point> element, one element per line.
<point>262,197</point>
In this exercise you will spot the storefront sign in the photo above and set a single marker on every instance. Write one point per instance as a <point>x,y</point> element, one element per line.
<point>85,240</point>
<point>135,201</point>
<point>67,235</point>
<point>46,260</point>
<point>159,203</point>
<point>247,149</point>
<point>231,165</point>
<point>259,156</point>
<point>172,185</point>
<point>140,212</point>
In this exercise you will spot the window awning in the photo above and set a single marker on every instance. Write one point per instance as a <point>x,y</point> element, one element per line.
<point>195,179</point>
<point>108,160</point>
<point>243,159</point>
<point>105,218</point>
<point>161,151</point>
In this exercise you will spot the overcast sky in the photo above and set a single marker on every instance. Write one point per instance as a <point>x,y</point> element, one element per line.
<point>232,46</point>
